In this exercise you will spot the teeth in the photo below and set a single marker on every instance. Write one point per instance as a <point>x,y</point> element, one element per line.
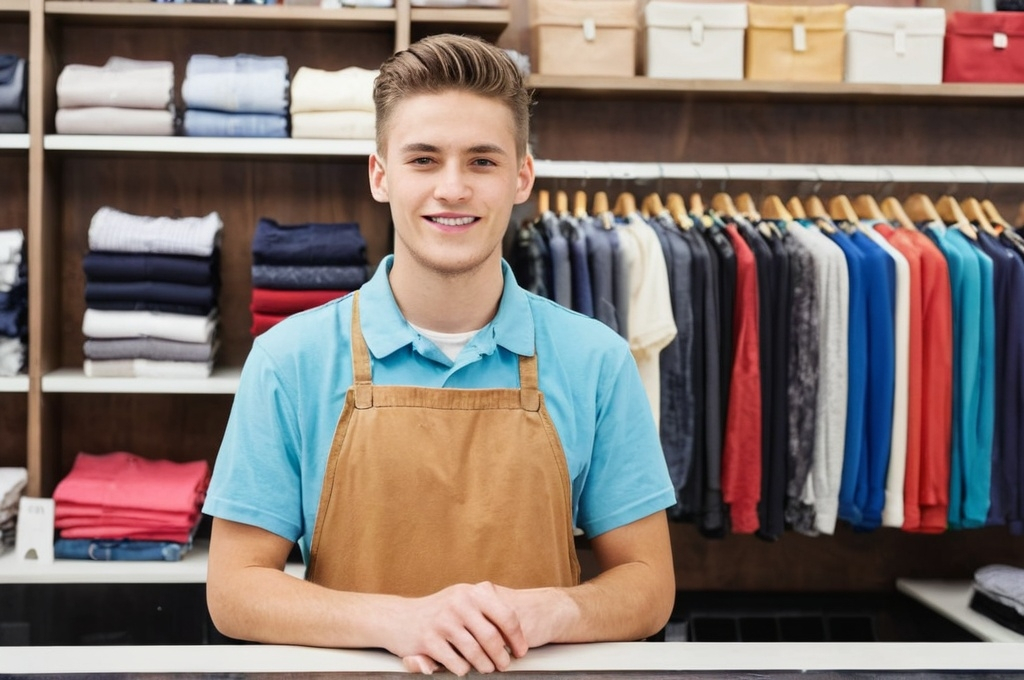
<point>453,221</point>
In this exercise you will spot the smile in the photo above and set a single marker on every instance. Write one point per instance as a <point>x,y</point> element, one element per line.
<point>452,221</point>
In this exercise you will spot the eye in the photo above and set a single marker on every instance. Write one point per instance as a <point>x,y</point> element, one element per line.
<point>423,160</point>
<point>484,162</point>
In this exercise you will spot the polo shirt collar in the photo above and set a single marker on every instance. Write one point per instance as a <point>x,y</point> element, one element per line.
<point>386,330</point>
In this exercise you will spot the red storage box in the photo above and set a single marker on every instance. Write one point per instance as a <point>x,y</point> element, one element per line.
<point>984,47</point>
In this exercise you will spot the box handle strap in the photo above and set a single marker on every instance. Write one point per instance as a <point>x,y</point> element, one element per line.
<point>799,37</point>
<point>697,32</point>
<point>589,29</point>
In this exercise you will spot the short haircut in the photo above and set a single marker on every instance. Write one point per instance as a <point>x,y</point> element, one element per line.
<point>441,63</point>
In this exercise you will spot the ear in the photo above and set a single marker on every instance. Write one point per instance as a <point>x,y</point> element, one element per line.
<point>524,180</point>
<point>378,180</point>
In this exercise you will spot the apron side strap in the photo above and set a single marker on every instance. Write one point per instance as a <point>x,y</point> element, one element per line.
<point>529,390</point>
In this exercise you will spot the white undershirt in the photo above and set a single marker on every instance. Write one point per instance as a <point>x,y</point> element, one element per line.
<point>449,343</point>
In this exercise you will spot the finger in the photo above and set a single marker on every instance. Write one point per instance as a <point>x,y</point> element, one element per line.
<point>471,649</point>
<point>503,616</point>
<point>491,640</point>
<point>420,663</point>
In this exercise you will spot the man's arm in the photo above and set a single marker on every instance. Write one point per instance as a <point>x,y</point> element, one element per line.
<point>251,598</point>
<point>630,599</point>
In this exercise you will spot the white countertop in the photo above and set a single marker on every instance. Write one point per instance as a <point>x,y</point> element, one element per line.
<point>623,657</point>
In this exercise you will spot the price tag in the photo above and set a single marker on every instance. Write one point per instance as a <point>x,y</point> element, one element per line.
<point>697,32</point>
<point>899,41</point>
<point>589,29</point>
<point>1000,41</point>
<point>34,537</point>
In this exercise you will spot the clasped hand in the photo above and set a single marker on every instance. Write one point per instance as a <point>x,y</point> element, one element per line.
<point>466,627</point>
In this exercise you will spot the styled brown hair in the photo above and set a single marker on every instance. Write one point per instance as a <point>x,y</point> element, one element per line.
<point>440,63</point>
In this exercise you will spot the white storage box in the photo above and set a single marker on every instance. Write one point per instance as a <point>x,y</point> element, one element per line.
<point>701,41</point>
<point>895,44</point>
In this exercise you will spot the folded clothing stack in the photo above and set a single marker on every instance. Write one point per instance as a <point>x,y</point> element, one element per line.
<point>13,302</point>
<point>121,506</point>
<point>13,90</point>
<point>302,266</point>
<point>999,594</point>
<point>151,286</point>
<point>122,97</point>
<point>12,486</point>
<point>240,96</point>
<point>333,104</point>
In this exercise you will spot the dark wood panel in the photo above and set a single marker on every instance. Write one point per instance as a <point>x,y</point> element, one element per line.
<point>13,417</point>
<point>847,561</point>
<point>14,35</point>
<point>14,190</point>
<point>239,190</point>
<point>172,427</point>
<point>782,132</point>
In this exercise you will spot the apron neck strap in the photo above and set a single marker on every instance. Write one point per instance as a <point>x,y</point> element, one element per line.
<point>529,386</point>
<point>529,389</point>
<point>360,360</point>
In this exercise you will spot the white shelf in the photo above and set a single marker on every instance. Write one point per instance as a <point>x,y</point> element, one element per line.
<point>875,174</point>
<point>247,146</point>
<point>18,141</point>
<point>223,381</point>
<point>190,569</point>
<point>952,600</point>
<point>14,383</point>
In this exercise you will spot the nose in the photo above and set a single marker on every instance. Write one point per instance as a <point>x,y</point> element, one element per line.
<point>452,184</point>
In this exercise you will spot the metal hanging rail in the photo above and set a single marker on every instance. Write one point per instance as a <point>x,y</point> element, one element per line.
<point>876,174</point>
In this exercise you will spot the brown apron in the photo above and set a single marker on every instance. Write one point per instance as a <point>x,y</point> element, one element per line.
<point>427,487</point>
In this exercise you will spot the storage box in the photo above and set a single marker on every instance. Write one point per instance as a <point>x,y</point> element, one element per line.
<point>795,42</point>
<point>984,47</point>
<point>583,37</point>
<point>694,40</point>
<point>894,44</point>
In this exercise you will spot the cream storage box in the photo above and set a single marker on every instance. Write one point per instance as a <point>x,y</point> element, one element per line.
<point>583,37</point>
<point>895,44</point>
<point>701,40</point>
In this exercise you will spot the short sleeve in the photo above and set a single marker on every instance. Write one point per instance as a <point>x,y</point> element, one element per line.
<point>256,478</point>
<point>628,477</point>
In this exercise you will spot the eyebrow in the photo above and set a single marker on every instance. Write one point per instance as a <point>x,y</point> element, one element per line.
<point>422,147</point>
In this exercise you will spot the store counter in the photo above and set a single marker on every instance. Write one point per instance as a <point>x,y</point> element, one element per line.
<point>608,660</point>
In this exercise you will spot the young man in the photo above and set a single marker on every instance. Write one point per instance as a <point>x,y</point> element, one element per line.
<point>431,441</point>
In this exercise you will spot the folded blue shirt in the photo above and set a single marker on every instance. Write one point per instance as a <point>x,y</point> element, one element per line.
<point>308,244</point>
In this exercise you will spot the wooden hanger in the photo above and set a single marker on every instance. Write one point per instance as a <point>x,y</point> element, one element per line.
<point>894,212</point>
<point>676,206</point>
<point>867,208</point>
<point>993,214</point>
<point>696,204</point>
<point>796,208</point>
<point>976,214</point>
<point>840,208</point>
<point>625,204</point>
<point>772,208</point>
<point>723,205</point>
<point>561,202</point>
<point>814,207</point>
<point>543,201</point>
<point>747,207</point>
<point>579,204</point>
<point>652,204</point>
<point>921,209</point>
<point>600,203</point>
<point>952,214</point>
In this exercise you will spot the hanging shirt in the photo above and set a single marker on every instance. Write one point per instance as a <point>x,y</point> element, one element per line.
<point>741,458</point>
<point>1007,496</point>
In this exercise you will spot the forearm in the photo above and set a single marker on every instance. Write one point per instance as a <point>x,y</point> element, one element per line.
<point>262,604</point>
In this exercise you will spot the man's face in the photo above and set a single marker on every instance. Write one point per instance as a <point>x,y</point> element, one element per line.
<point>451,176</point>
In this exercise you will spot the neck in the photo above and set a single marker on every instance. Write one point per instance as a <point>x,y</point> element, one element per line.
<point>446,303</point>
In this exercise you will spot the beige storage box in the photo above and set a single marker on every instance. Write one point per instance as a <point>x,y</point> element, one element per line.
<point>583,37</point>
<point>700,40</point>
<point>895,44</point>
<point>795,42</point>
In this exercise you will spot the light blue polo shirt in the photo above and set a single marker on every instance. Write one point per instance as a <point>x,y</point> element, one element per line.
<point>269,470</point>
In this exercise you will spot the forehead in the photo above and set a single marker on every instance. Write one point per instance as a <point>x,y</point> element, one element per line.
<point>451,119</point>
